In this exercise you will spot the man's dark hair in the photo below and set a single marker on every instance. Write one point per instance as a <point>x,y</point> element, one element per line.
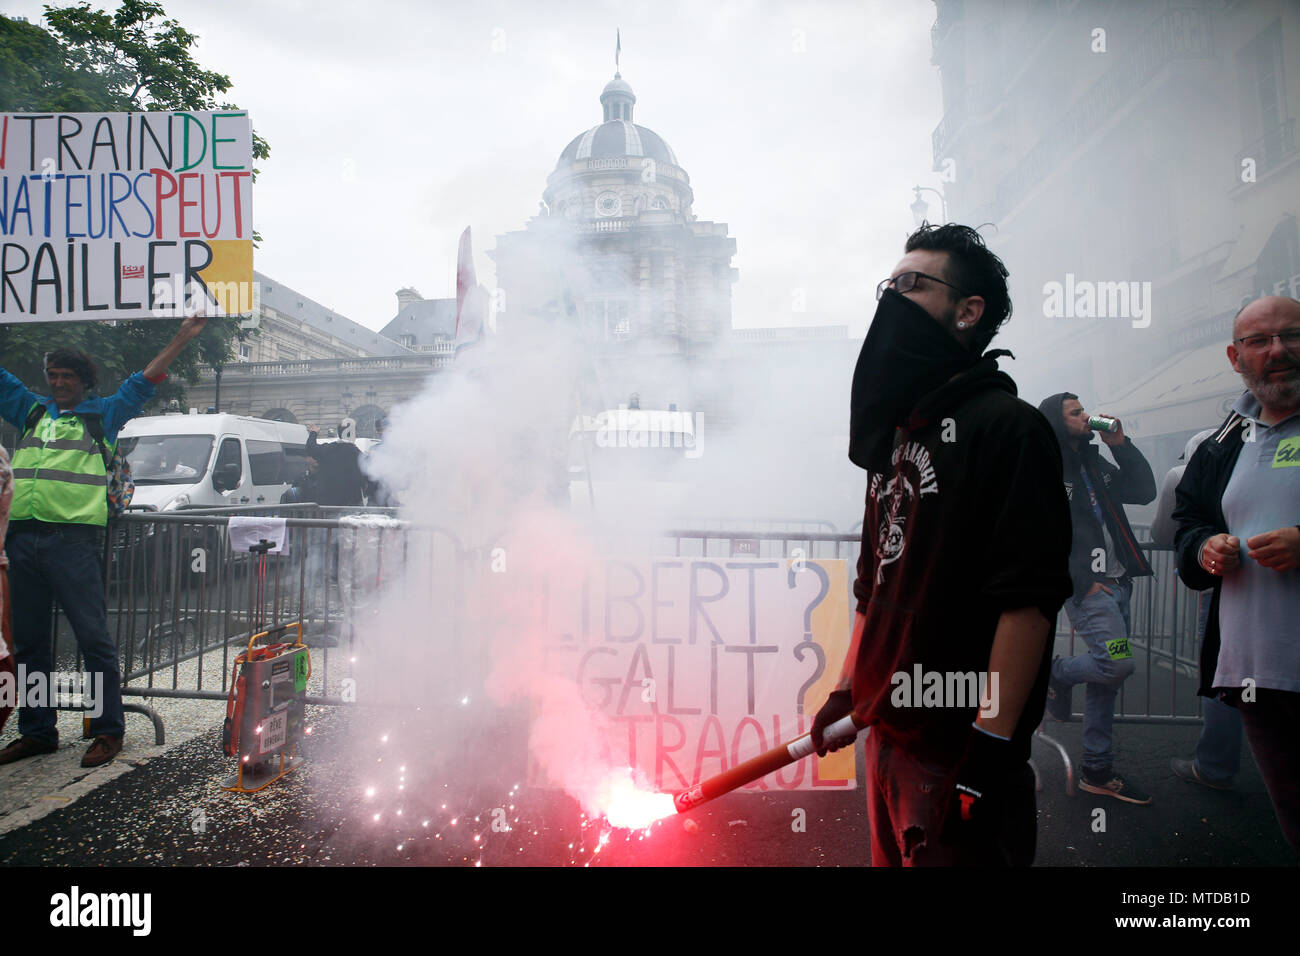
<point>973,269</point>
<point>74,360</point>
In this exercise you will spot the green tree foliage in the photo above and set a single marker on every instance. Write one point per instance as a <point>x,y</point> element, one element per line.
<point>35,74</point>
<point>91,61</point>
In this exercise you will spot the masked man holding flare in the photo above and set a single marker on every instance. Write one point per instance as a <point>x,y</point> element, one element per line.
<point>963,569</point>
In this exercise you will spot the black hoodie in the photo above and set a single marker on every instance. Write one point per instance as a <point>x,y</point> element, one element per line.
<point>968,522</point>
<point>1132,483</point>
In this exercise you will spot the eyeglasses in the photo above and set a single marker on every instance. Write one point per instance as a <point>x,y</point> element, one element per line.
<point>906,282</point>
<point>1258,343</point>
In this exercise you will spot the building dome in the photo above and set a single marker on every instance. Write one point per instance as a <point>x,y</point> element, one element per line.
<point>618,138</point>
<point>618,135</point>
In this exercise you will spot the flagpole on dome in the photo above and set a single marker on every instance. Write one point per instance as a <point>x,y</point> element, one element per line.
<point>618,48</point>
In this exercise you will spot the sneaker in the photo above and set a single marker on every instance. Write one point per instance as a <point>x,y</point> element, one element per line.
<point>1186,770</point>
<point>104,749</point>
<point>1059,702</point>
<point>1111,784</point>
<point>26,747</point>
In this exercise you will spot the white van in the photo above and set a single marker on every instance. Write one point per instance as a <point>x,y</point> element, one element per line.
<point>623,461</point>
<point>211,461</point>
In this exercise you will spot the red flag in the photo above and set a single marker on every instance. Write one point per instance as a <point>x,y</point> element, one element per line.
<point>464,274</point>
<point>471,300</point>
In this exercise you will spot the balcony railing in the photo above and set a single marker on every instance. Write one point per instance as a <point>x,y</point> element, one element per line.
<point>972,101</point>
<point>1178,34</point>
<point>953,118</point>
<point>607,225</point>
<point>948,13</point>
<point>338,366</point>
<point>1270,149</point>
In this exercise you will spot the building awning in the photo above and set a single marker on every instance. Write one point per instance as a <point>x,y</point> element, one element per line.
<point>1191,391</point>
<point>1249,245</point>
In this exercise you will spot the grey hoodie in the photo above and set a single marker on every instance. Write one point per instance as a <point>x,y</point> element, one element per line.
<point>1163,526</point>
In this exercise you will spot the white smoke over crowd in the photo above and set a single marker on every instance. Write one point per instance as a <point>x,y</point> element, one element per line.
<point>488,455</point>
<point>524,510</point>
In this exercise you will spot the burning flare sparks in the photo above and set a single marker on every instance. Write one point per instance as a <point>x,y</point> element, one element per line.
<point>627,806</point>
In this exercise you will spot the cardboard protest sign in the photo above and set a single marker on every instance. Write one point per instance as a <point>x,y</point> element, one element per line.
<point>698,664</point>
<point>125,215</point>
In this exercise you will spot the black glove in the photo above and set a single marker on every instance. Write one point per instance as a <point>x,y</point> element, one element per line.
<point>838,704</point>
<point>975,803</point>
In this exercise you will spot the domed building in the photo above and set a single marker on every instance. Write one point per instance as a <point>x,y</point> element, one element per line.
<point>656,182</point>
<point>616,251</point>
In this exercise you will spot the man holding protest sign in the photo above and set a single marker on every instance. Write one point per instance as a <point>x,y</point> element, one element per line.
<point>59,509</point>
<point>963,569</point>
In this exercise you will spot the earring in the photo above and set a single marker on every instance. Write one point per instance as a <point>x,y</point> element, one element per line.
<point>961,325</point>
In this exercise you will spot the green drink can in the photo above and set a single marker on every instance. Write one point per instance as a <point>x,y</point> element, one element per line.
<point>1103,423</point>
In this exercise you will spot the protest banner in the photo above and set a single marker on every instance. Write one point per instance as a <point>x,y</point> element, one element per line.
<point>698,664</point>
<point>125,215</point>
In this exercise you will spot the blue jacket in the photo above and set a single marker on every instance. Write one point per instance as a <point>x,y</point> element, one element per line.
<point>16,400</point>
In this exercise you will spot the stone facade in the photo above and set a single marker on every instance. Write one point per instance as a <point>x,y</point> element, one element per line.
<point>321,391</point>
<point>1127,143</point>
<point>306,363</point>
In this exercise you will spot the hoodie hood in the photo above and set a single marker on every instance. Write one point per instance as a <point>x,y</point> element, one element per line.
<point>1053,411</point>
<point>1194,442</point>
<point>984,374</point>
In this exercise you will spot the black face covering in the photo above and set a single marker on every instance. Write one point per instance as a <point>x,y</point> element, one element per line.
<point>906,355</point>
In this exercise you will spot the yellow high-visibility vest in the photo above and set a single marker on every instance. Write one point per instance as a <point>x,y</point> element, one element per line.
<point>59,474</point>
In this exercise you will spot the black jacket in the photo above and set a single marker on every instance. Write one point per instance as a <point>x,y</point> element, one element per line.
<point>1132,483</point>
<point>969,521</point>
<point>339,479</point>
<point>1199,513</point>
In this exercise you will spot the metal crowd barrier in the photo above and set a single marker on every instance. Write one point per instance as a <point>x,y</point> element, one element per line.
<point>182,602</point>
<point>1163,613</point>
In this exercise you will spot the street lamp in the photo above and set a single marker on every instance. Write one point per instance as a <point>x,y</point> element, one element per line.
<point>921,208</point>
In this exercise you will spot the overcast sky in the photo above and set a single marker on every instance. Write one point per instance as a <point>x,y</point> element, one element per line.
<point>394,124</point>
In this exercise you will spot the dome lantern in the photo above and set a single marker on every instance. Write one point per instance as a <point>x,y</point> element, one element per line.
<point>618,99</point>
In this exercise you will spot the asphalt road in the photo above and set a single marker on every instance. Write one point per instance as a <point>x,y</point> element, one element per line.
<point>375,805</point>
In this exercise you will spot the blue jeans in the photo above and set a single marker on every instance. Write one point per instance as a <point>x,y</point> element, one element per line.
<point>1218,751</point>
<point>63,564</point>
<point>1098,619</point>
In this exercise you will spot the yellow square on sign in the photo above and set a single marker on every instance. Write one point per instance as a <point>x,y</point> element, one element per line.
<point>832,629</point>
<point>229,276</point>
